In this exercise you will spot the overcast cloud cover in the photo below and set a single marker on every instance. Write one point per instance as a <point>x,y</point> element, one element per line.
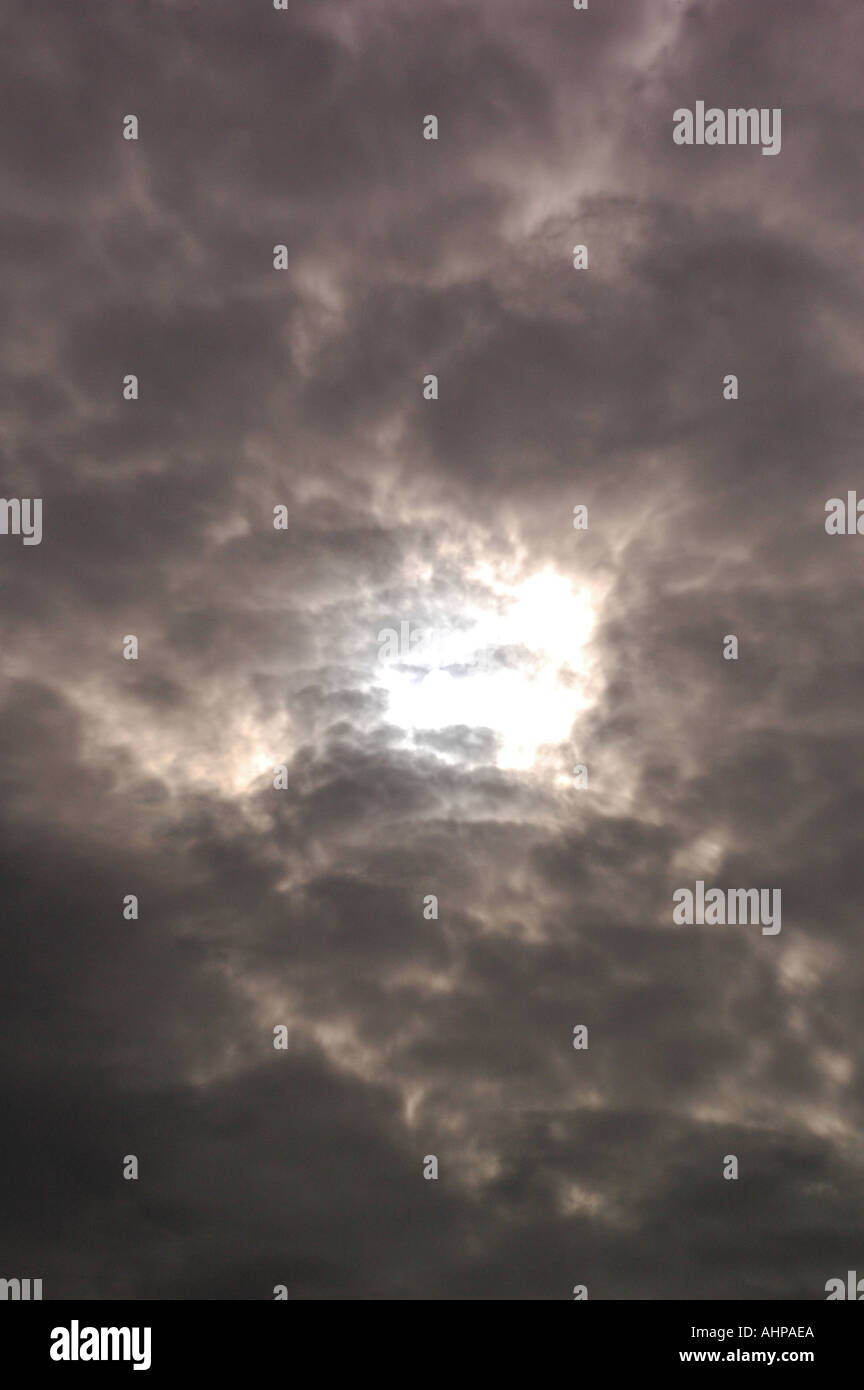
<point>304,906</point>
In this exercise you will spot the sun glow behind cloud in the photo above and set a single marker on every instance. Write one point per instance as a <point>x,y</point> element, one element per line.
<point>515,665</point>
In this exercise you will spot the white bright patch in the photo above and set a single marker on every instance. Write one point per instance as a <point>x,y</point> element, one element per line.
<point>529,702</point>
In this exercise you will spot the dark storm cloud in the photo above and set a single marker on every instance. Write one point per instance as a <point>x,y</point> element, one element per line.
<point>304,906</point>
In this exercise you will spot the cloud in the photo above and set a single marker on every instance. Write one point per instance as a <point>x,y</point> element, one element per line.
<point>303,906</point>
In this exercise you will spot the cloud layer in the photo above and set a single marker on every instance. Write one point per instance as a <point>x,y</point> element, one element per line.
<point>258,647</point>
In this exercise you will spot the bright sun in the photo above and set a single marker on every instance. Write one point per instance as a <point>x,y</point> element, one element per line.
<point>515,665</point>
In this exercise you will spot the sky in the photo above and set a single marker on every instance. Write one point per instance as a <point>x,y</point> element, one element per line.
<point>557,745</point>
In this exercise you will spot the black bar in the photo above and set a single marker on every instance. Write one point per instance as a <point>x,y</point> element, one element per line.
<point>221,1339</point>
